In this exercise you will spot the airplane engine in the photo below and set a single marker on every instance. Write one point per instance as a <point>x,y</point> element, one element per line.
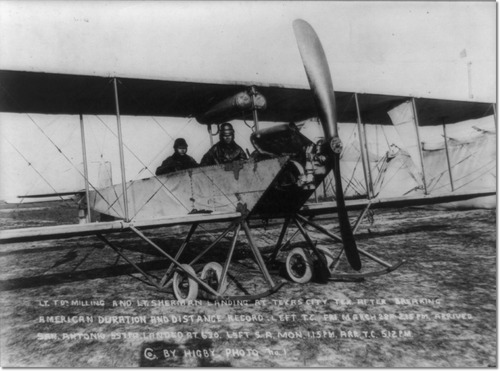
<point>299,177</point>
<point>305,168</point>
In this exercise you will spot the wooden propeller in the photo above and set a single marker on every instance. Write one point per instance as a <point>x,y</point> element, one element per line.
<point>320,81</point>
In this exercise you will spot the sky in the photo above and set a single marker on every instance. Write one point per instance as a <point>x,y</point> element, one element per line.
<point>422,49</point>
<point>408,48</point>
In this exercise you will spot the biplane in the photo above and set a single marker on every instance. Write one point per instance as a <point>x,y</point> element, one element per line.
<point>281,175</point>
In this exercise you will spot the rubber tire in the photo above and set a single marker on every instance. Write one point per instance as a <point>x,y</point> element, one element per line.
<point>299,256</point>
<point>179,278</point>
<point>217,269</point>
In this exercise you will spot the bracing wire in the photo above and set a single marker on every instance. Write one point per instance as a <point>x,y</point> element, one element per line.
<point>162,128</point>
<point>48,163</point>
<point>481,170</point>
<point>348,141</point>
<point>145,167</point>
<point>492,163</point>
<point>383,181</point>
<point>50,140</point>
<point>64,155</point>
<point>99,142</point>
<point>133,96</point>
<point>31,165</point>
<point>381,167</point>
<point>353,182</point>
<point>385,137</point>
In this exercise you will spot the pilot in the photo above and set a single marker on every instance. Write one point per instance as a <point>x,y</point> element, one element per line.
<point>226,150</point>
<point>180,160</point>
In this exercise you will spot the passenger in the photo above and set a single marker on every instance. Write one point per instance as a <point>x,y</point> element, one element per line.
<point>226,150</point>
<point>179,160</point>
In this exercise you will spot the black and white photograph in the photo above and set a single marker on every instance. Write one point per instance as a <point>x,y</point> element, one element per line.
<point>248,184</point>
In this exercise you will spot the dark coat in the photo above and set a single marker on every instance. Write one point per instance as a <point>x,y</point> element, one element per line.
<point>222,153</point>
<point>176,162</point>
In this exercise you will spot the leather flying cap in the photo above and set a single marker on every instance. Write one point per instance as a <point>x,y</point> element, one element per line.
<point>180,143</point>
<point>226,128</point>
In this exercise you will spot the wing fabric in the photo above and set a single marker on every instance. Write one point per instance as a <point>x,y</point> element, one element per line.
<point>53,93</point>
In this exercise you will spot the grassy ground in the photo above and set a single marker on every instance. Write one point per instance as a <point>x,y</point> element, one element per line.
<point>437,310</point>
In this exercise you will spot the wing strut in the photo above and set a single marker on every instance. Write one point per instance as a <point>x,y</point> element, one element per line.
<point>419,143</point>
<point>448,157</point>
<point>120,146</point>
<point>363,146</point>
<point>85,170</point>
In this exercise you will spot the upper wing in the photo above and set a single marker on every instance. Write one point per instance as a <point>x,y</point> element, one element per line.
<point>51,93</point>
<point>74,230</point>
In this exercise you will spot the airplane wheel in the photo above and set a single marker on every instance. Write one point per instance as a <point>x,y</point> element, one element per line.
<point>328,255</point>
<point>299,266</point>
<point>185,288</point>
<point>212,274</point>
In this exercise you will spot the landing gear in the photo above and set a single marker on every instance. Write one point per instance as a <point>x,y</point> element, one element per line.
<point>328,256</point>
<point>212,275</point>
<point>185,287</point>
<point>299,266</point>
<point>213,280</point>
<point>319,263</point>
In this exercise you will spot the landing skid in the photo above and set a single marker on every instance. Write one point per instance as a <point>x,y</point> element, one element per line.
<point>301,265</point>
<point>359,276</point>
<point>213,281</point>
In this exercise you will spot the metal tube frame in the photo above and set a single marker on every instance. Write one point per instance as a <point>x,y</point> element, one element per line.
<point>170,269</point>
<point>162,283</point>
<point>305,234</point>
<point>277,249</point>
<point>361,217</point>
<point>148,277</point>
<point>175,262</point>
<point>278,246</point>
<point>229,257</point>
<point>335,264</point>
<point>217,240</point>
<point>374,258</point>
<point>258,256</point>
<point>319,228</point>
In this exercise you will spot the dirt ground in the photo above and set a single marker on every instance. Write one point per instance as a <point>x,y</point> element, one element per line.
<point>73,303</point>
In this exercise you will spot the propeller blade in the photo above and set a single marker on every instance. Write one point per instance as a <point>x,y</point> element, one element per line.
<point>318,74</point>
<point>350,248</point>
<point>320,81</point>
